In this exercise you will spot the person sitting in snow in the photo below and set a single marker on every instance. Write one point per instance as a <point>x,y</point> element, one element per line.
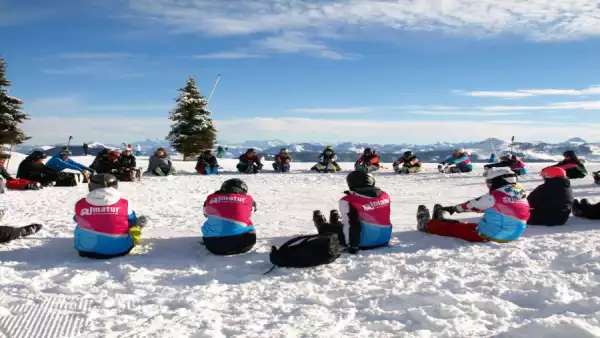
<point>129,166</point>
<point>408,164</point>
<point>327,162</point>
<point>220,151</point>
<point>368,162</point>
<point>572,165</point>
<point>110,164</point>
<point>32,168</point>
<point>505,209</point>
<point>8,233</point>
<point>101,154</point>
<point>584,209</point>
<point>511,161</point>
<point>9,182</point>
<point>160,163</point>
<point>282,161</point>
<point>492,158</point>
<point>107,225</point>
<point>228,229</point>
<point>596,176</point>
<point>460,162</point>
<point>62,161</point>
<point>207,163</point>
<point>365,211</point>
<point>551,202</point>
<point>249,162</point>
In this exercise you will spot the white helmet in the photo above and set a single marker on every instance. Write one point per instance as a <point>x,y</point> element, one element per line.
<point>503,173</point>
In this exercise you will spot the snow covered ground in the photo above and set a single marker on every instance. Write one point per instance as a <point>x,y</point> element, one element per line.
<point>545,285</point>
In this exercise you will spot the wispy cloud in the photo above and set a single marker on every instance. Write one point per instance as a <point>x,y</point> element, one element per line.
<point>118,65</point>
<point>231,55</point>
<point>592,90</point>
<point>577,105</point>
<point>464,113</point>
<point>298,42</point>
<point>94,56</point>
<point>75,105</point>
<point>486,110</point>
<point>345,110</point>
<point>538,20</point>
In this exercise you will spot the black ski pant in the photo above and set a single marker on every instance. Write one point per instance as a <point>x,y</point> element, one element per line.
<point>94,255</point>
<point>8,234</point>
<point>230,245</point>
<point>587,210</point>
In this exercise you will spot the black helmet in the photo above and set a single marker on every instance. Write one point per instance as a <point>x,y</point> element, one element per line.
<point>250,150</point>
<point>408,154</point>
<point>368,151</point>
<point>234,186</point>
<point>360,179</point>
<point>570,153</point>
<point>100,181</point>
<point>37,155</point>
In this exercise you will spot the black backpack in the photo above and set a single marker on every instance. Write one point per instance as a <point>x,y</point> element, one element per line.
<point>66,180</point>
<point>306,251</point>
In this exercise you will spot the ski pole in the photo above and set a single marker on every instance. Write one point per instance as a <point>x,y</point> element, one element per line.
<point>213,89</point>
<point>11,150</point>
<point>69,142</point>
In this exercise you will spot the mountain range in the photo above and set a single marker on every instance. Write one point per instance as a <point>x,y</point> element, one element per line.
<point>349,151</point>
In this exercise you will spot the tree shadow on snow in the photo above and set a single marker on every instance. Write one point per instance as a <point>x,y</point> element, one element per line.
<point>171,254</point>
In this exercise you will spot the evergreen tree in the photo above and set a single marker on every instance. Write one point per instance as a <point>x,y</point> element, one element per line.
<point>10,113</point>
<point>193,130</point>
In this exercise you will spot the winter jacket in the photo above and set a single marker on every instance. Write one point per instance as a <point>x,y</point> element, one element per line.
<point>283,159</point>
<point>127,161</point>
<point>204,161</point>
<point>103,222</point>
<point>573,167</point>
<point>102,154</point>
<point>366,218</point>
<point>551,202</point>
<point>163,162</point>
<point>462,161</point>
<point>324,158</point>
<point>32,170</point>
<point>409,162</point>
<point>506,212</point>
<point>58,164</point>
<point>492,159</point>
<point>106,166</point>
<point>515,164</point>
<point>228,214</point>
<point>370,160</point>
<point>246,160</point>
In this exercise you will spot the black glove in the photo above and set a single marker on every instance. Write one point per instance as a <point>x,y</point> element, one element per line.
<point>451,210</point>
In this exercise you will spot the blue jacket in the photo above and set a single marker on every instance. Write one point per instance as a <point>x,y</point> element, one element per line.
<point>463,161</point>
<point>103,221</point>
<point>58,164</point>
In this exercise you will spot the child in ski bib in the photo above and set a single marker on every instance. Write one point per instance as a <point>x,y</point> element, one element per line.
<point>460,162</point>
<point>107,226</point>
<point>228,229</point>
<point>365,215</point>
<point>505,210</point>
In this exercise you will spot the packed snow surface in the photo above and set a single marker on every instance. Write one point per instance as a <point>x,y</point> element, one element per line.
<point>547,284</point>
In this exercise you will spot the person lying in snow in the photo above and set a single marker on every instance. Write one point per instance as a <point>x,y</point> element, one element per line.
<point>8,233</point>
<point>107,225</point>
<point>552,201</point>
<point>460,162</point>
<point>207,163</point>
<point>61,161</point>
<point>327,162</point>
<point>160,163</point>
<point>584,209</point>
<point>368,162</point>
<point>228,229</point>
<point>9,182</point>
<point>505,209</point>
<point>572,165</point>
<point>282,161</point>
<point>365,215</point>
<point>32,168</point>
<point>511,161</point>
<point>408,164</point>
<point>249,162</point>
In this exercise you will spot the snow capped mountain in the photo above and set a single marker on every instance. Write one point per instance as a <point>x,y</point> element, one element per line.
<point>97,145</point>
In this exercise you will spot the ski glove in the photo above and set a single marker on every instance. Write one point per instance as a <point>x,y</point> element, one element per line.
<point>451,210</point>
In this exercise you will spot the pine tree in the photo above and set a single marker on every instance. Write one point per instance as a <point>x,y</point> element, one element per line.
<point>193,130</point>
<point>10,113</point>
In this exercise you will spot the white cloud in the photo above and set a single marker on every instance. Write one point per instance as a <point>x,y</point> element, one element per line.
<point>583,105</point>
<point>346,110</point>
<point>94,55</point>
<point>592,90</point>
<point>231,55</point>
<point>463,113</point>
<point>539,20</point>
<point>69,105</point>
<point>298,42</point>
<point>127,129</point>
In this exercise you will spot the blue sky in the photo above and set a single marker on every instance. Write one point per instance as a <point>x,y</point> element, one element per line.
<point>306,70</point>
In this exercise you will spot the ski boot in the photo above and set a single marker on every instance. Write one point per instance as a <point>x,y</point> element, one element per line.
<point>30,229</point>
<point>320,222</point>
<point>423,217</point>
<point>33,186</point>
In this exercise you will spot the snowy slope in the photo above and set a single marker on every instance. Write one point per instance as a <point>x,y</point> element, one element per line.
<point>546,284</point>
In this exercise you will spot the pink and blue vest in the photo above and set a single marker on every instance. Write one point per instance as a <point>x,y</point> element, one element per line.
<point>227,215</point>
<point>374,216</point>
